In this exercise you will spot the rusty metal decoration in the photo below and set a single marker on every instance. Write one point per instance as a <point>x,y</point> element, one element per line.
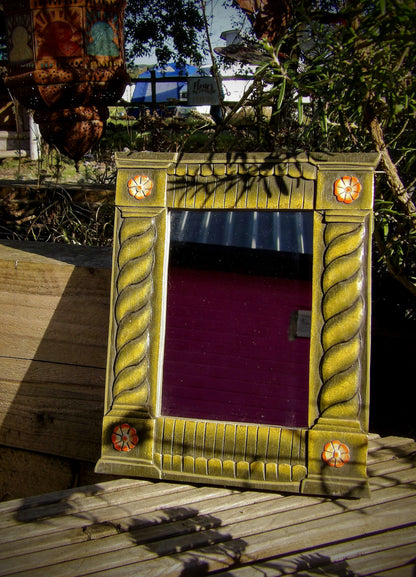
<point>269,17</point>
<point>66,62</point>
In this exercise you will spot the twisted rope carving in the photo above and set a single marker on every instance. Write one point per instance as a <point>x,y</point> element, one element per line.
<point>343,312</point>
<point>133,311</point>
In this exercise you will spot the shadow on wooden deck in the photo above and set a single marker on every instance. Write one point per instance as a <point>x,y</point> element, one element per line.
<point>143,528</point>
<point>52,366</point>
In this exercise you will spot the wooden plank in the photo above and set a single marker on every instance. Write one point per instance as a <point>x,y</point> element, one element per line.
<point>12,153</point>
<point>55,253</point>
<point>393,558</point>
<point>54,308</point>
<point>152,498</point>
<point>321,556</point>
<point>54,303</point>
<point>15,370</point>
<point>166,540</point>
<point>396,477</point>
<point>96,545</point>
<point>68,495</point>
<point>52,417</point>
<point>392,452</point>
<point>292,502</point>
<point>404,571</point>
<point>54,313</point>
<point>152,516</point>
<point>377,443</point>
<point>177,521</point>
<point>160,528</point>
<point>391,465</point>
<point>47,473</point>
<point>88,504</point>
<point>217,556</point>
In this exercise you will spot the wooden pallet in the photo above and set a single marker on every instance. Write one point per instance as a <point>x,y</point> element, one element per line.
<point>54,310</point>
<point>136,528</point>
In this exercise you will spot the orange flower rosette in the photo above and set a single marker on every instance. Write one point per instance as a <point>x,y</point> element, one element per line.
<point>336,454</point>
<point>140,186</point>
<point>347,189</point>
<point>124,437</point>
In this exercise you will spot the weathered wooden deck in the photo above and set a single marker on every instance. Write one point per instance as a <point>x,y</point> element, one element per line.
<point>141,528</point>
<point>54,318</point>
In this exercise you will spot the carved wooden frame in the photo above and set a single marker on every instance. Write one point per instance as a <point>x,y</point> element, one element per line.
<point>327,457</point>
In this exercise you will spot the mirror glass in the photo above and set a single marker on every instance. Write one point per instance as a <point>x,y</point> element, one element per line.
<point>238,317</point>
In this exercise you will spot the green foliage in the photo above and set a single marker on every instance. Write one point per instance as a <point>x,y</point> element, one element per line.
<point>342,80</point>
<point>352,69</point>
<point>171,28</point>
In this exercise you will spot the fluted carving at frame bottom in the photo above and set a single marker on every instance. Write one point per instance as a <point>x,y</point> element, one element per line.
<point>343,311</point>
<point>241,470</point>
<point>133,312</point>
<point>255,453</point>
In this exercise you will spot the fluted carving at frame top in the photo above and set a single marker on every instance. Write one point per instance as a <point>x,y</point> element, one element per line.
<point>343,310</point>
<point>133,312</point>
<point>244,184</point>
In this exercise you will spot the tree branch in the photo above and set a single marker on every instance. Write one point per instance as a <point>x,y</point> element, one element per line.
<point>393,178</point>
<point>396,274</point>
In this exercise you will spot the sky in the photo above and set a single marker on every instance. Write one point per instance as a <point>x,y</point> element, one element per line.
<point>219,19</point>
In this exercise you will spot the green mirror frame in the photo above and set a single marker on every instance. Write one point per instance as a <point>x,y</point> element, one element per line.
<point>329,456</point>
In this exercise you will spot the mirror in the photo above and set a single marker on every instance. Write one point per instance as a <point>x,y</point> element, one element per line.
<point>239,329</point>
<point>238,313</point>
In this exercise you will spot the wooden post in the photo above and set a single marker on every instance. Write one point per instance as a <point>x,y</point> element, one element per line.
<point>34,138</point>
<point>153,83</point>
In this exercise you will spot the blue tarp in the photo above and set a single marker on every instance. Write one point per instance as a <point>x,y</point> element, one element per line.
<point>165,91</point>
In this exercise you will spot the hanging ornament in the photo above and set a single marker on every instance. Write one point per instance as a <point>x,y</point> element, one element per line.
<point>66,63</point>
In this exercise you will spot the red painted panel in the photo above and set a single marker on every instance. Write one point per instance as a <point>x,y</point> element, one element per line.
<point>228,355</point>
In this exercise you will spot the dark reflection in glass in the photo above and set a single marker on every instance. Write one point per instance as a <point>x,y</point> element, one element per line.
<point>238,312</point>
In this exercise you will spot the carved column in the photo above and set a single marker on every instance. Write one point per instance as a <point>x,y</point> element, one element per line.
<point>132,314</point>
<point>135,350</point>
<point>337,438</point>
<point>344,320</point>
